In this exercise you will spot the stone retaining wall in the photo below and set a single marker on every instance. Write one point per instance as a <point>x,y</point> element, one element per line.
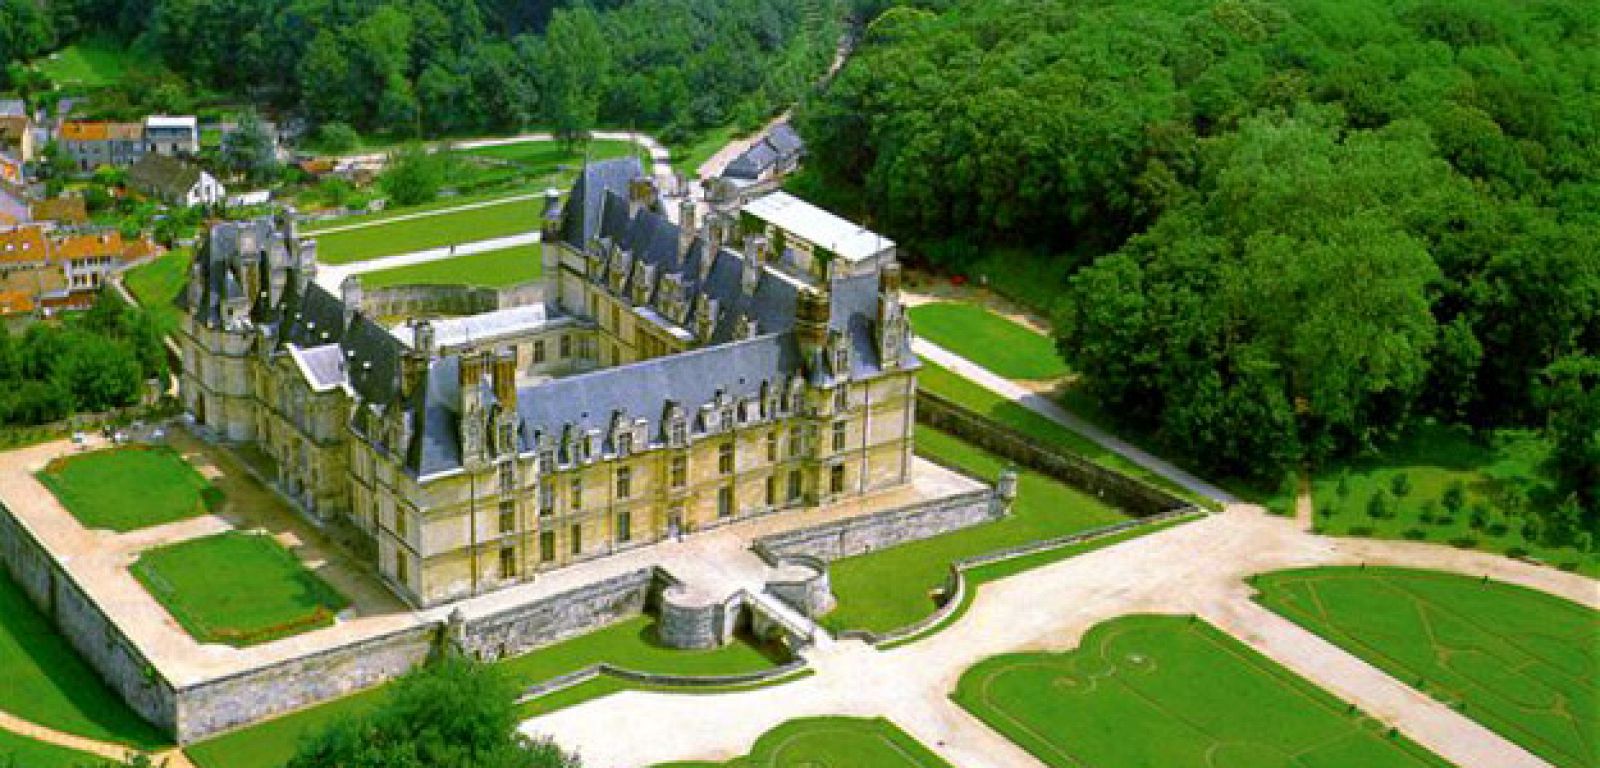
<point>422,300</point>
<point>85,626</point>
<point>811,592</point>
<point>1136,497</point>
<point>522,628</point>
<point>854,536</point>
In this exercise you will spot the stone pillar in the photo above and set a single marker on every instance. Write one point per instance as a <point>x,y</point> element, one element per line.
<point>1005,490</point>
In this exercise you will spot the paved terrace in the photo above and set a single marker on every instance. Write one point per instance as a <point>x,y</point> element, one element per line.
<point>717,560</point>
<point>1197,568</point>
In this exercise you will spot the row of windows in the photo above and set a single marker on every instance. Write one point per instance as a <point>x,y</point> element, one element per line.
<point>563,348</point>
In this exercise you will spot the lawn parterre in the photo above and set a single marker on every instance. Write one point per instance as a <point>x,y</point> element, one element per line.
<point>1173,692</point>
<point>1501,477</point>
<point>492,269</point>
<point>43,680</point>
<point>19,752</point>
<point>128,488</point>
<point>1521,662</point>
<point>629,644</point>
<point>989,340</point>
<point>237,588</point>
<point>832,742</point>
<point>890,588</point>
<point>492,220</point>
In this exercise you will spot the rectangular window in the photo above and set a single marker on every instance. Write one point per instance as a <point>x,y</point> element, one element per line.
<point>566,347</point>
<point>772,490</point>
<point>538,352</point>
<point>794,486</point>
<point>836,479</point>
<point>725,501</point>
<point>508,477</point>
<point>839,432</point>
<point>624,482</point>
<point>508,562</point>
<point>547,497</point>
<point>679,471</point>
<point>796,443</point>
<point>841,399</point>
<point>400,567</point>
<point>577,539</point>
<point>547,546</point>
<point>577,493</point>
<point>624,443</point>
<point>624,527</point>
<point>400,523</point>
<point>508,516</point>
<point>772,446</point>
<point>616,320</point>
<point>725,458</point>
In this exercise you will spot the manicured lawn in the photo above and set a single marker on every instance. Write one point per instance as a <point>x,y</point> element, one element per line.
<point>91,63</point>
<point>989,340</point>
<point>128,488</point>
<point>46,682</point>
<point>490,221</point>
<point>1521,662</point>
<point>687,157</point>
<point>890,588</point>
<point>26,753</point>
<point>157,284</point>
<point>550,156</point>
<point>629,643</point>
<point>832,742</point>
<point>1504,475</point>
<point>940,381</point>
<point>1173,692</point>
<point>237,588</point>
<point>493,269</point>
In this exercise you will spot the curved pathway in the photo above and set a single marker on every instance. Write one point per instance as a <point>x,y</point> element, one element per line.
<point>170,758</point>
<point>1197,568</point>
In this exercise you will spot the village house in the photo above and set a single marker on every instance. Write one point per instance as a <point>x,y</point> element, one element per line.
<point>91,144</point>
<point>175,182</point>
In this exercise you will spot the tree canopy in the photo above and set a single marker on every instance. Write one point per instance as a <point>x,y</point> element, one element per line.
<point>1289,227</point>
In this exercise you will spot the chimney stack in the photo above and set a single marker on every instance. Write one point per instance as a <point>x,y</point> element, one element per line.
<point>811,327</point>
<point>505,378</point>
<point>686,227</point>
<point>755,256</point>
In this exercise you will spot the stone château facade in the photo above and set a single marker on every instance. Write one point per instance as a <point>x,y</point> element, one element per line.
<point>674,376</point>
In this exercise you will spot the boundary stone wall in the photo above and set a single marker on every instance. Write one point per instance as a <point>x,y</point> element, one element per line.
<point>522,628</point>
<point>418,300</point>
<point>85,625</point>
<point>858,535</point>
<point>1137,497</point>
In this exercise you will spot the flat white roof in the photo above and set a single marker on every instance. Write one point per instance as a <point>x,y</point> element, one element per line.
<point>171,121</point>
<point>486,327</point>
<point>851,241</point>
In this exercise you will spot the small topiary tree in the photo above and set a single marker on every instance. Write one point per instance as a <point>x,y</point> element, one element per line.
<point>1400,485</point>
<point>1455,496</point>
<point>1430,513</point>
<point>1480,516</point>
<point>1379,505</point>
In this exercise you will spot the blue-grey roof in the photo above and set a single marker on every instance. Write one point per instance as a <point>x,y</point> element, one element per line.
<point>582,211</point>
<point>785,141</point>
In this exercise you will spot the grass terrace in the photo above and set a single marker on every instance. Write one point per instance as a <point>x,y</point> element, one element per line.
<point>128,488</point>
<point>156,285</point>
<point>46,682</point>
<point>1521,662</point>
<point>237,588</point>
<point>992,341</point>
<point>491,269</point>
<point>554,156</point>
<point>1173,692</point>
<point>629,644</point>
<point>832,742</point>
<point>892,588</point>
<point>1500,481</point>
<point>95,62</point>
<point>941,381</point>
<point>440,229</point>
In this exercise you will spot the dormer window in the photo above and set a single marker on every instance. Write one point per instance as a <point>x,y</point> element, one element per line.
<point>841,360</point>
<point>678,432</point>
<point>841,399</point>
<point>624,443</point>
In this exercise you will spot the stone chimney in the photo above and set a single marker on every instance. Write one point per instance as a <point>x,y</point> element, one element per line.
<point>350,296</point>
<point>473,365</point>
<point>712,232</point>
<point>811,328</point>
<point>505,378</point>
<point>686,227</point>
<point>755,256</point>
<point>641,195</point>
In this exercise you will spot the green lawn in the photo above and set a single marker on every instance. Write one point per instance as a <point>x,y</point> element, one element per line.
<point>940,381</point>
<point>490,221</point>
<point>128,488</point>
<point>629,644</point>
<point>687,157</point>
<point>1503,475</point>
<point>1521,662</point>
<point>832,742</point>
<point>890,588</point>
<point>46,682</point>
<point>19,752</point>
<point>237,588</point>
<point>92,63</point>
<point>493,269</point>
<point>989,340</point>
<point>1173,692</point>
<point>550,156</point>
<point>156,285</point>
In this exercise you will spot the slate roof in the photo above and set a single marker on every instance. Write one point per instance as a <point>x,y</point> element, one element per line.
<point>582,212</point>
<point>163,176</point>
<point>780,145</point>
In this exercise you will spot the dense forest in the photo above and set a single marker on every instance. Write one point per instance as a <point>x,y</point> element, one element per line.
<point>1286,229</point>
<point>435,67</point>
<point>93,361</point>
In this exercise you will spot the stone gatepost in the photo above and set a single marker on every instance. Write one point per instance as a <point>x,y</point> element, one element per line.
<point>1005,491</point>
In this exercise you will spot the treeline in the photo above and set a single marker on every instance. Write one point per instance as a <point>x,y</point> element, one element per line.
<point>437,67</point>
<point>1291,227</point>
<point>91,361</point>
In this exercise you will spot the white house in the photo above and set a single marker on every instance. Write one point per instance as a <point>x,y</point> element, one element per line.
<point>175,182</point>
